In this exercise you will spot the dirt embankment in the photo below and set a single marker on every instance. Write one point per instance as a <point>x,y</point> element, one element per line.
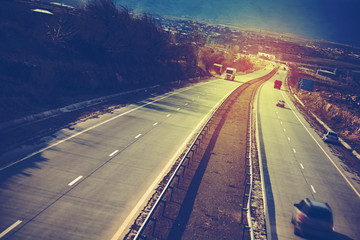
<point>339,110</point>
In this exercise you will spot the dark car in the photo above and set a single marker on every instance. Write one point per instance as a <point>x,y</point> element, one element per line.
<point>331,137</point>
<point>312,218</point>
<point>280,103</point>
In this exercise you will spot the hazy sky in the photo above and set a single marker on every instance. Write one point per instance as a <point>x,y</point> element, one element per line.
<point>333,20</point>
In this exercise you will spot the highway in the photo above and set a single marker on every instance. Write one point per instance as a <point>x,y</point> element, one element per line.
<point>89,181</point>
<point>298,164</point>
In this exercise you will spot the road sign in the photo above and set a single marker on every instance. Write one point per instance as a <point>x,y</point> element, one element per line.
<point>306,84</point>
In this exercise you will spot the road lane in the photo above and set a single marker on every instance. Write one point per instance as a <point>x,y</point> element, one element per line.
<point>298,168</point>
<point>117,168</point>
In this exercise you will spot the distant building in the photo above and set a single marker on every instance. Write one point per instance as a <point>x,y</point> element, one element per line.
<point>325,74</point>
<point>266,55</point>
<point>307,71</point>
<point>42,11</point>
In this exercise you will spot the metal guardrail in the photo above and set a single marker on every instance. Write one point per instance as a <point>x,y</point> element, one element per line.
<point>250,162</point>
<point>248,182</point>
<point>189,155</point>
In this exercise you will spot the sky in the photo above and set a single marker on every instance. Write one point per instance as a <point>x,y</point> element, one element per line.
<point>332,20</point>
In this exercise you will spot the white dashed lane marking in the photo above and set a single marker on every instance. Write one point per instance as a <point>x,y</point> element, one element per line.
<point>113,153</point>
<point>6,231</point>
<point>312,188</point>
<point>137,136</point>
<point>75,180</point>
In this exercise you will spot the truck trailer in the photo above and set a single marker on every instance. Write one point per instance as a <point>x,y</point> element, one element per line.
<point>230,74</point>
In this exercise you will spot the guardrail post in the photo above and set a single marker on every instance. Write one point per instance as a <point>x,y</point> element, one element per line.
<point>164,208</point>
<point>246,227</point>
<point>184,168</point>
<point>171,193</point>
<point>188,163</point>
<point>193,153</point>
<point>195,148</point>
<point>153,230</point>
<point>244,209</point>
<point>178,181</point>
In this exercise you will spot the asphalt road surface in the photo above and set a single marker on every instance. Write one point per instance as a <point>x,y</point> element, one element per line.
<point>298,164</point>
<point>90,180</point>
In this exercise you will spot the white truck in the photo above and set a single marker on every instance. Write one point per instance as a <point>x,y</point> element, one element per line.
<point>230,73</point>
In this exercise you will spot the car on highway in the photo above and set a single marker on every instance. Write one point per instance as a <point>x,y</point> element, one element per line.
<point>331,137</point>
<point>280,103</point>
<point>312,218</point>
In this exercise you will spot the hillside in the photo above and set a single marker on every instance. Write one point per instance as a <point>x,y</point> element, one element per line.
<point>49,59</point>
<point>337,106</point>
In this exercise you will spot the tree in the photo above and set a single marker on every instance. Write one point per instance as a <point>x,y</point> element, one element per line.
<point>209,56</point>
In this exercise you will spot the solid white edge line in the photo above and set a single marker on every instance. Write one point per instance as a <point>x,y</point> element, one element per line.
<point>327,155</point>
<point>266,211</point>
<point>6,231</point>
<point>75,180</point>
<point>113,153</point>
<point>142,200</point>
<point>97,125</point>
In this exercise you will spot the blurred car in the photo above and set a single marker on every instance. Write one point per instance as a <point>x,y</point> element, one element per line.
<point>312,218</point>
<point>331,137</point>
<point>277,84</point>
<point>280,103</point>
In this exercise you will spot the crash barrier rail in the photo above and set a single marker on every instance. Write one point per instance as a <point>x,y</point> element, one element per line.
<point>189,155</point>
<point>248,181</point>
